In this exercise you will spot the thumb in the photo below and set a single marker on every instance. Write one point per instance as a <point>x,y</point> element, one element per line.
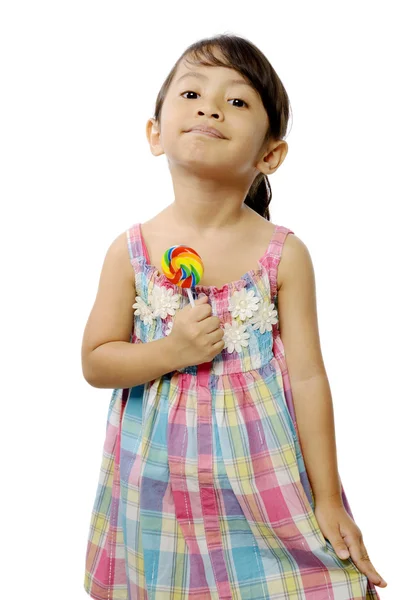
<point>340,548</point>
<point>201,299</point>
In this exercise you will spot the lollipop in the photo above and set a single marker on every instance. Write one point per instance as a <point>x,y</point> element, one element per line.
<point>183,266</point>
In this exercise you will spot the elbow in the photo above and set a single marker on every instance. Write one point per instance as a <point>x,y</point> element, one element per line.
<point>88,371</point>
<point>91,382</point>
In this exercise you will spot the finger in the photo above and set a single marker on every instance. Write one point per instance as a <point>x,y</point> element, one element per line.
<point>362,561</point>
<point>215,336</point>
<point>340,548</point>
<point>371,573</point>
<point>211,324</point>
<point>202,299</point>
<point>220,345</point>
<point>202,312</point>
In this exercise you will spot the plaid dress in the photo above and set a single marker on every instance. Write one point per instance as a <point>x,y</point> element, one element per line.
<point>203,493</point>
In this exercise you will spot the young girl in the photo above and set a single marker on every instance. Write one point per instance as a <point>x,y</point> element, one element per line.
<point>219,475</point>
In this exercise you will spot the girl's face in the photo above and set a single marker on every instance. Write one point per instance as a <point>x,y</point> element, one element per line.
<point>218,97</point>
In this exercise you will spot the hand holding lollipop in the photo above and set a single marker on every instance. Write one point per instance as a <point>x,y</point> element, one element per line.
<point>184,267</point>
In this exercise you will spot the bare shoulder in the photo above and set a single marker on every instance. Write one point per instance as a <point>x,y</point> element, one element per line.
<point>111,317</point>
<point>295,260</point>
<point>297,309</point>
<point>117,258</point>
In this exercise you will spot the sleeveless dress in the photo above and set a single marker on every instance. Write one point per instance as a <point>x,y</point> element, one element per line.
<point>203,492</point>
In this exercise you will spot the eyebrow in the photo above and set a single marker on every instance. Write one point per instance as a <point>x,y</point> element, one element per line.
<point>201,76</point>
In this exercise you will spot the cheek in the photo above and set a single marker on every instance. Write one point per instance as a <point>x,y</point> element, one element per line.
<point>174,112</point>
<point>171,137</point>
<point>173,123</point>
<point>251,143</point>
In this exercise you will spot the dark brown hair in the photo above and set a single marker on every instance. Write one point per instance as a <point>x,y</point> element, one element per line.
<point>241,54</point>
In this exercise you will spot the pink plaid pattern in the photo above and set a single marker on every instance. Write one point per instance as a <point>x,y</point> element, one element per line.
<point>203,491</point>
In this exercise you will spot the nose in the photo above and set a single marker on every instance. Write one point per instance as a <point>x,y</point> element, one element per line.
<point>210,108</point>
<point>209,105</point>
<point>213,114</point>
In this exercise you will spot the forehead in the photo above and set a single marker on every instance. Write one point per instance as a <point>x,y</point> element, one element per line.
<point>205,73</point>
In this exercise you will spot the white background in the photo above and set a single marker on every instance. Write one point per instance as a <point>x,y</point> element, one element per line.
<point>79,80</point>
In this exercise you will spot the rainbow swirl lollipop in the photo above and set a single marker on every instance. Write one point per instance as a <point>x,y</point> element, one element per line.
<point>183,266</point>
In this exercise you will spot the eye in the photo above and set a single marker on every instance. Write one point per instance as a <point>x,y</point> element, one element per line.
<point>240,100</point>
<point>188,92</point>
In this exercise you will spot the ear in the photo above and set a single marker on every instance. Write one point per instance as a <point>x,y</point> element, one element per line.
<point>272,157</point>
<point>153,137</point>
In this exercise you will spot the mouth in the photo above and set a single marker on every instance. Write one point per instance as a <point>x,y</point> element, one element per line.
<point>209,132</point>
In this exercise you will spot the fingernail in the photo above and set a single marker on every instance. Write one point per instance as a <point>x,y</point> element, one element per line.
<point>343,554</point>
<point>202,295</point>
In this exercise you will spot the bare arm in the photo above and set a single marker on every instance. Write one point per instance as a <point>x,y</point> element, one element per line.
<point>109,360</point>
<point>124,365</point>
<point>310,387</point>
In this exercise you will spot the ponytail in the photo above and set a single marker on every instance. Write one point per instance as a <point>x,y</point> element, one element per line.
<point>259,196</point>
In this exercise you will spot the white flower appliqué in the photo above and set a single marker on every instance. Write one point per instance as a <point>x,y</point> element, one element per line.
<point>164,302</point>
<point>143,310</point>
<point>235,336</point>
<point>265,317</point>
<point>243,304</point>
<point>169,328</point>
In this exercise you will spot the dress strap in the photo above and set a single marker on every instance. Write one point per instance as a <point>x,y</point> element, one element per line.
<point>136,245</point>
<point>272,256</point>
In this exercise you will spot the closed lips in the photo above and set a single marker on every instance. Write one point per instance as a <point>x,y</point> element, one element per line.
<point>208,130</point>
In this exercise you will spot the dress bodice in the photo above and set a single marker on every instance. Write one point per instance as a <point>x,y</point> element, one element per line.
<point>247,307</point>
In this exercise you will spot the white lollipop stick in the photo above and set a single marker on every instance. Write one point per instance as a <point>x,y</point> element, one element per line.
<point>189,291</point>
